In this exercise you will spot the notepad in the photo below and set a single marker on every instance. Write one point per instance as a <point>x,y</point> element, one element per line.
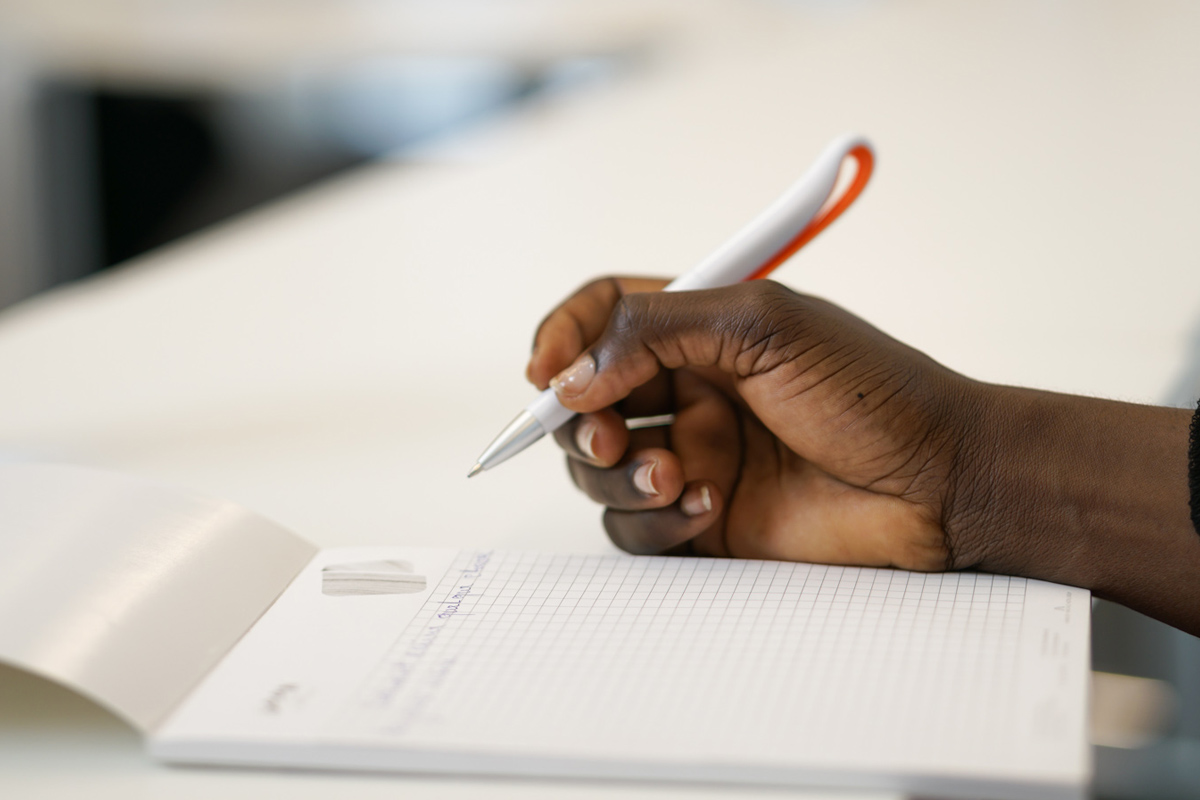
<point>665,668</point>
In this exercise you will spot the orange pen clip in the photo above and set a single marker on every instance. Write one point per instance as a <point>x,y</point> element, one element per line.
<point>865,161</point>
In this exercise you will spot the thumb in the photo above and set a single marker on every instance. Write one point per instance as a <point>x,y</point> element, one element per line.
<point>743,330</point>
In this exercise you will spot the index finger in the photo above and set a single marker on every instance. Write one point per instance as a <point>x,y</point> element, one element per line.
<point>578,322</point>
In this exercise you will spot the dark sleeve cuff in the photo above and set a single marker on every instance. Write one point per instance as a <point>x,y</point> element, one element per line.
<point>1194,469</point>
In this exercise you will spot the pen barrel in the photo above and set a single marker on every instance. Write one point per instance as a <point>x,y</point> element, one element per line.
<point>772,230</point>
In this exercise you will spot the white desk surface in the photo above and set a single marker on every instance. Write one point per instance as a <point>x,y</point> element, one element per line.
<point>336,361</point>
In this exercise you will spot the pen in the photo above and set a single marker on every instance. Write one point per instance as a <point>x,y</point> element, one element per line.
<point>788,224</point>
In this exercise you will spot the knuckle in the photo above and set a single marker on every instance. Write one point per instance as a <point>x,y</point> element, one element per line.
<point>630,327</point>
<point>766,289</point>
<point>768,320</point>
<point>766,303</point>
<point>629,314</point>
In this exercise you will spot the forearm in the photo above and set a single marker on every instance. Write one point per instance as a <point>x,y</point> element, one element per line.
<point>1089,492</point>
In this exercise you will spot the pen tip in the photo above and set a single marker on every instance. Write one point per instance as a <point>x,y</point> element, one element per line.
<point>475,470</point>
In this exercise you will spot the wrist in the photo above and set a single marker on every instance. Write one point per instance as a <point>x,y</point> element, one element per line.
<point>1076,490</point>
<point>1046,479</point>
<point>1036,497</point>
<point>981,488</point>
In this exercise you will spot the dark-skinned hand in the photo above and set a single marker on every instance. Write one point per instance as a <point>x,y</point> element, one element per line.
<point>803,433</point>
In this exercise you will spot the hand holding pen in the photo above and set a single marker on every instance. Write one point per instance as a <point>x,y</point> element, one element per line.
<point>802,212</point>
<point>800,432</point>
<point>785,411</point>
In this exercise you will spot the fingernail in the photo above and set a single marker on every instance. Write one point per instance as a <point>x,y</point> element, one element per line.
<point>696,501</point>
<point>643,479</point>
<point>574,379</point>
<point>584,436</point>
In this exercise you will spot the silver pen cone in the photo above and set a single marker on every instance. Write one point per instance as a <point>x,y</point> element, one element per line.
<point>520,433</point>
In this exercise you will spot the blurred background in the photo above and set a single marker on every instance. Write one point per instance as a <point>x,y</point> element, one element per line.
<point>128,124</point>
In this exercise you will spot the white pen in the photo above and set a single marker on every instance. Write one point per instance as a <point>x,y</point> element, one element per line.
<point>789,223</point>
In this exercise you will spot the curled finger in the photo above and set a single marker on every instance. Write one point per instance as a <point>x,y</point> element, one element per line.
<point>654,531</point>
<point>651,478</point>
<point>599,439</point>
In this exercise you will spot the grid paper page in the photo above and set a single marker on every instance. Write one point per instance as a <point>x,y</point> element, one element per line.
<point>744,659</point>
<point>662,667</point>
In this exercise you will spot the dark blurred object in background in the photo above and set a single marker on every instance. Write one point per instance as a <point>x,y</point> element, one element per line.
<point>122,171</point>
<point>152,154</point>
<point>124,124</point>
<point>116,169</point>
